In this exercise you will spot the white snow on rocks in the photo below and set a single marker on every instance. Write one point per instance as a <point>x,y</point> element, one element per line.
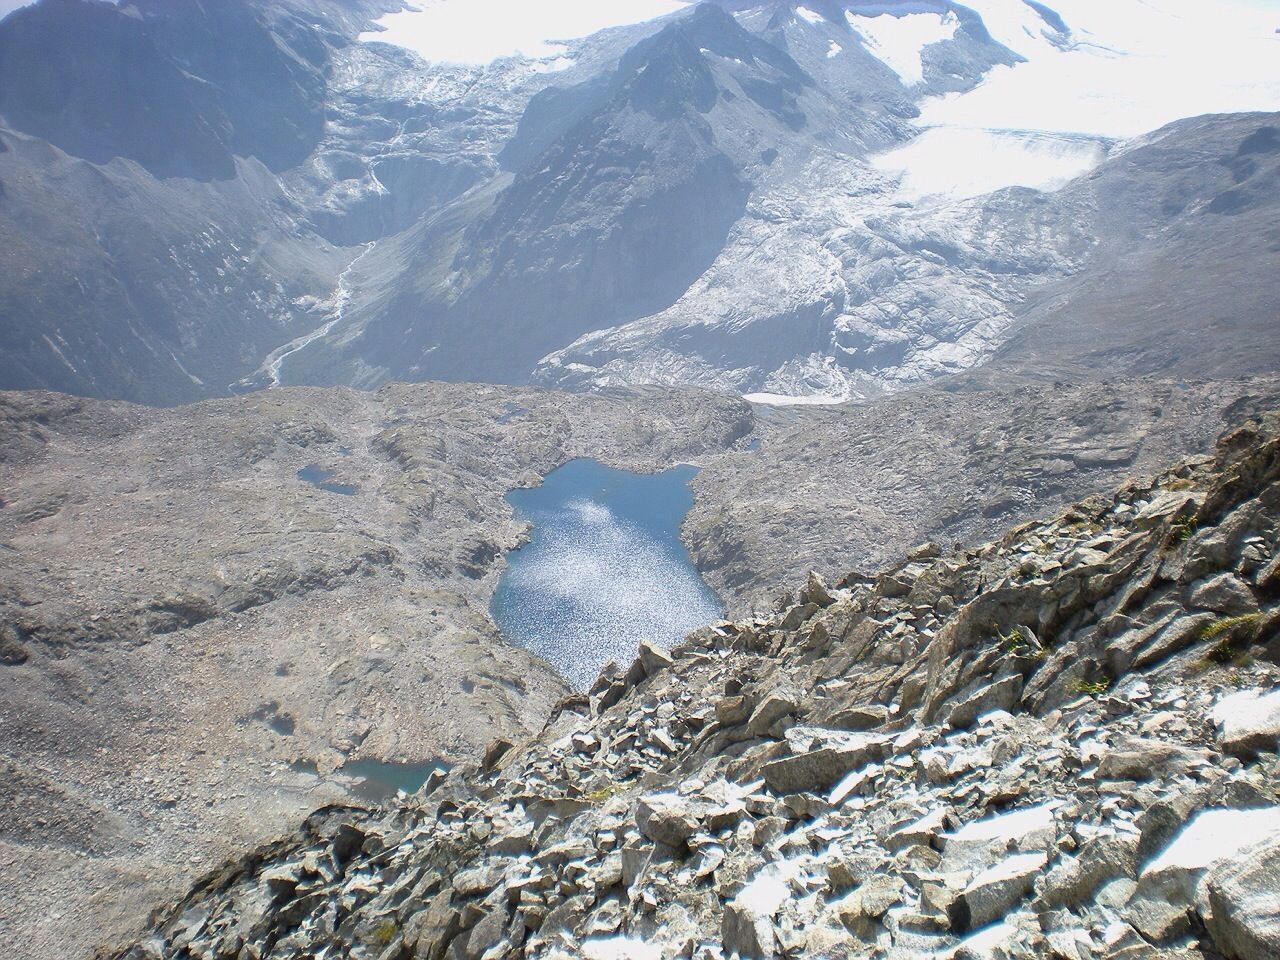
<point>769,889</point>
<point>1029,829</point>
<point>943,161</point>
<point>784,400</point>
<point>621,948</point>
<point>481,31</point>
<point>1126,68</point>
<point>1130,66</point>
<point>899,41</point>
<point>1212,837</point>
<point>1248,720</point>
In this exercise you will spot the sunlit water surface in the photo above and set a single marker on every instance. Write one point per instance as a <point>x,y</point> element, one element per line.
<point>603,570</point>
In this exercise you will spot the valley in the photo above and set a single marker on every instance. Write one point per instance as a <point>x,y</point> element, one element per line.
<point>651,481</point>
<point>244,593</point>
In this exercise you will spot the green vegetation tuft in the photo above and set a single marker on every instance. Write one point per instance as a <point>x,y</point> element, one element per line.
<point>384,933</point>
<point>1182,530</point>
<point>1092,688</point>
<point>1230,625</point>
<point>604,794</point>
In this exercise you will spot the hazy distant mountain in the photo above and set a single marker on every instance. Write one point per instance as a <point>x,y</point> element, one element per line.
<point>200,198</point>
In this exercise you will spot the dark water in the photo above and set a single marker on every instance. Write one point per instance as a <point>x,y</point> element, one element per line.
<point>510,412</point>
<point>603,570</point>
<point>319,478</point>
<point>377,781</point>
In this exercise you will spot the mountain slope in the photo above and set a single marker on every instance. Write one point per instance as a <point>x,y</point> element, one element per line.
<point>1187,233</point>
<point>829,286</point>
<point>609,216</point>
<point>760,197</point>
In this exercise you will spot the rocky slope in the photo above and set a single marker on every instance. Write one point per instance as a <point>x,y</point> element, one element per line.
<point>852,486</point>
<point>1059,744</point>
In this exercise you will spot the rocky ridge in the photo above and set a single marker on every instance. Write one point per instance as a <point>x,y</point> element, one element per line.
<point>1059,744</point>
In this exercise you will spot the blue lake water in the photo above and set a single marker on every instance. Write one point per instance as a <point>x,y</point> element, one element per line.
<point>378,781</point>
<point>604,568</point>
<point>322,480</point>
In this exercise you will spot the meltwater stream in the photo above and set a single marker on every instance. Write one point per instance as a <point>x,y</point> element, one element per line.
<point>604,568</point>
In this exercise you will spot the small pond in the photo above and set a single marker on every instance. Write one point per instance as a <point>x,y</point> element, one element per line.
<point>322,480</point>
<point>604,568</point>
<point>376,780</point>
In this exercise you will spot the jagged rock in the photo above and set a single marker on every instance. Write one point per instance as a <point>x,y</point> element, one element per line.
<point>773,708</point>
<point>924,831</point>
<point>1244,905</point>
<point>1167,887</point>
<point>435,927</point>
<point>1226,593</point>
<point>654,659</point>
<point>1074,880</point>
<point>925,551</point>
<point>494,753</point>
<point>1268,578</point>
<point>862,909</point>
<point>828,758</point>
<point>748,927</point>
<point>859,719</point>
<point>1136,758</point>
<point>815,592</point>
<point>992,893</point>
<point>666,818</point>
<point>982,842</point>
<point>1001,695</point>
<point>733,711</point>
<point>746,933</point>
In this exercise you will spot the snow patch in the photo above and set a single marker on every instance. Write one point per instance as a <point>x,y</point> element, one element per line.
<point>783,400</point>
<point>480,31</point>
<point>834,50</point>
<point>620,948</point>
<point>769,890</point>
<point>554,65</point>
<point>899,41</point>
<point>1239,714</point>
<point>960,162</point>
<point>806,14</point>
<point>1214,836</point>
<point>1131,66</point>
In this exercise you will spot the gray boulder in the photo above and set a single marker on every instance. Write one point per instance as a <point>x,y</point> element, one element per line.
<point>1001,695</point>
<point>1244,899</point>
<point>1248,723</point>
<point>823,760</point>
<point>666,818</point>
<point>993,893</point>
<point>1225,593</point>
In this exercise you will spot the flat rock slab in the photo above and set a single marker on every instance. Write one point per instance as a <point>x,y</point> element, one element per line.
<point>1248,723</point>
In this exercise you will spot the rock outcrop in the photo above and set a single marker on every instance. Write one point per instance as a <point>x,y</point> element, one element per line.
<point>1060,744</point>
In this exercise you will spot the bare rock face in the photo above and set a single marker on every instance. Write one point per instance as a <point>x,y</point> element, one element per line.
<point>1083,813</point>
<point>1244,898</point>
